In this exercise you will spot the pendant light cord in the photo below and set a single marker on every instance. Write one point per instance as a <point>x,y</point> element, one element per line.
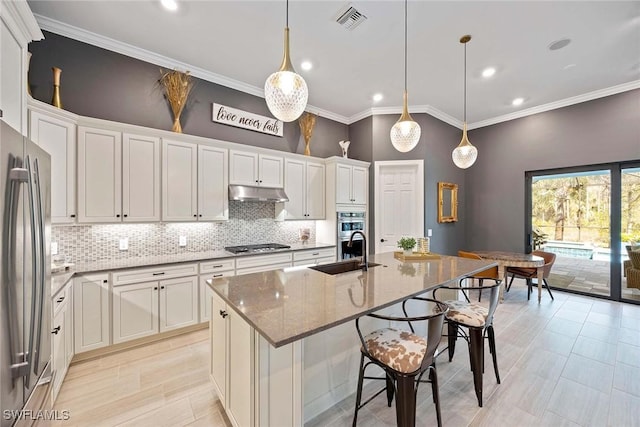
<point>405,45</point>
<point>465,82</point>
<point>287,14</point>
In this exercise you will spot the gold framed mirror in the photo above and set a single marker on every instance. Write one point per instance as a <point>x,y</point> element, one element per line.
<point>447,202</point>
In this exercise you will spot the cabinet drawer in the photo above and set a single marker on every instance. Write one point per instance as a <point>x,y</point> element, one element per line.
<point>314,261</point>
<point>125,277</point>
<point>216,274</point>
<point>263,260</point>
<point>263,268</point>
<point>61,299</point>
<point>313,254</point>
<point>217,265</point>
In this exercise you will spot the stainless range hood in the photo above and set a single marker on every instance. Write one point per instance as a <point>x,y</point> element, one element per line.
<point>249,193</point>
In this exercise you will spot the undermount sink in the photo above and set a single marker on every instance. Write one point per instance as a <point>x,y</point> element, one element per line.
<point>341,267</point>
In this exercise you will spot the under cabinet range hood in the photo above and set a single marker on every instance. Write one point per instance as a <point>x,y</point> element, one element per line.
<point>247,193</point>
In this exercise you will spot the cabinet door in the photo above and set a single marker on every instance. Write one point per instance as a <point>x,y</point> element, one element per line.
<point>58,356</point>
<point>178,303</point>
<point>343,184</point>
<point>315,191</point>
<point>135,311</point>
<point>58,138</point>
<point>359,182</point>
<point>213,186</point>
<point>91,312</point>
<point>271,171</point>
<point>294,186</point>
<point>205,294</point>
<point>68,320</point>
<point>140,178</point>
<point>12,78</point>
<point>243,168</point>
<point>99,175</point>
<point>179,181</point>
<point>240,397</point>
<point>219,342</point>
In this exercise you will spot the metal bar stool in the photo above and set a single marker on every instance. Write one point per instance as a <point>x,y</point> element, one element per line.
<point>478,320</point>
<point>404,357</point>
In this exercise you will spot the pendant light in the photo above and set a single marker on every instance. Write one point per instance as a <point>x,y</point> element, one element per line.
<point>286,91</point>
<point>465,154</point>
<point>405,134</point>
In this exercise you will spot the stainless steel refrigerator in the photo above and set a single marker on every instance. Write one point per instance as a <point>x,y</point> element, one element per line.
<point>25,280</point>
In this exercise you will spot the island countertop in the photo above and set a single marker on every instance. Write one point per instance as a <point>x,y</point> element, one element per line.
<point>290,304</point>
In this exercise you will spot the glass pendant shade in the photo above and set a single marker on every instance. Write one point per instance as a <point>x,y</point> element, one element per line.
<point>286,91</point>
<point>405,133</point>
<point>465,154</point>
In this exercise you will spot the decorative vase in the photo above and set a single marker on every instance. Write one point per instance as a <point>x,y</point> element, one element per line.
<point>424,244</point>
<point>407,252</point>
<point>55,99</point>
<point>344,145</point>
<point>307,122</point>
<point>177,127</point>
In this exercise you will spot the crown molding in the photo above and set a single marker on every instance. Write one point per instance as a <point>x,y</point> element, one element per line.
<point>113,45</point>
<point>414,109</point>
<point>589,96</point>
<point>20,21</point>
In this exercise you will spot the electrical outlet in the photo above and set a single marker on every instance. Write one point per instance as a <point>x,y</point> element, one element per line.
<point>124,244</point>
<point>182,241</point>
<point>429,232</point>
<point>54,248</point>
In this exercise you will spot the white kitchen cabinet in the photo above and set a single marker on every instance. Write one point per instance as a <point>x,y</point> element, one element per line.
<point>135,311</point>
<point>259,263</point>
<point>305,187</point>
<point>140,178</point>
<point>246,168</point>
<point>178,303</point>
<point>194,182</point>
<point>315,256</point>
<point>99,175</point>
<point>219,331</point>
<point>351,184</point>
<point>91,316</point>
<point>212,270</point>
<point>58,138</point>
<point>62,340</point>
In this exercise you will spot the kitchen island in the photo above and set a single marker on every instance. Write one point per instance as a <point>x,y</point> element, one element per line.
<point>283,347</point>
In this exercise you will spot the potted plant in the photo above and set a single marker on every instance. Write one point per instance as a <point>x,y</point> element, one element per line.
<point>407,244</point>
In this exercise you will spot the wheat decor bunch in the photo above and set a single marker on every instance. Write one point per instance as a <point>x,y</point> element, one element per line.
<point>177,87</point>
<point>307,122</point>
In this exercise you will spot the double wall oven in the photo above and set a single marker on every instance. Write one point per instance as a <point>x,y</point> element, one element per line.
<point>348,222</point>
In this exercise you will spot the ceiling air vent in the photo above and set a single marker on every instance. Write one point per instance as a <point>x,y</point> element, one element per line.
<point>350,18</point>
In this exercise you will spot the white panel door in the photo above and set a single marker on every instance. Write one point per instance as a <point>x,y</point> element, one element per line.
<point>135,311</point>
<point>399,203</point>
<point>243,168</point>
<point>315,190</point>
<point>140,178</point>
<point>99,175</point>
<point>271,171</point>
<point>359,181</point>
<point>178,303</point>
<point>219,345</point>
<point>91,312</point>
<point>343,183</point>
<point>179,181</point>
<point>294,186</point>
<point>213,186</point>
<point>58,138</point>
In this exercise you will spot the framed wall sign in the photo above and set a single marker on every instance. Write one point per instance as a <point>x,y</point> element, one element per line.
<point>245,120</point>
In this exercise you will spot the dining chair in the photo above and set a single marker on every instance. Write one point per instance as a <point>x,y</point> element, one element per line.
<point>489,273</point>
<point>405,357</point>
<point>473,322</point>
<point>531,273</point>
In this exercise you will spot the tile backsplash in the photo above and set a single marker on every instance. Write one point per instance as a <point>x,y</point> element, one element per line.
<point>249,223</point>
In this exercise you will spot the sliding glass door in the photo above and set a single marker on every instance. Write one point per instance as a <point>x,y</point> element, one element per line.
<point>630,231</point>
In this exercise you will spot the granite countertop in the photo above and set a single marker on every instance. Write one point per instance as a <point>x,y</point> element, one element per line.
<point>58,280</point>
<point>292,303</point>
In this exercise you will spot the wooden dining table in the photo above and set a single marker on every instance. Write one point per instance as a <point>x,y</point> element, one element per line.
<point>514,259</point>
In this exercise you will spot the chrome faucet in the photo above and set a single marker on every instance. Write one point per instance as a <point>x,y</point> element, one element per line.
<point>365,263</point>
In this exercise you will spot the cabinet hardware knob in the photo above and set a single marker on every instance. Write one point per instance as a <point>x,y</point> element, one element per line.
<point>195,216</point>
<point>55,330</point>
<point>125,215</point>
<point>256,180</point>
<point>217,266</point>
<point>117,215</point>
<point>382,240</point>
<point>158,274</point>
<point>223,313</point>
<point>218,275</point>
<point>155,288</point>
<point>105,281</point>
<point>60,299</point>
<point>161,287</point>
<point>200,215</point>
<point>260,180</point>
<point>316,253</point>
<point>72,215</point>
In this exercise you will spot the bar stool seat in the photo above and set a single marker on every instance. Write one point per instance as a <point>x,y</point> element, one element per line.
<point>402,351</point>
<point>467,314</point>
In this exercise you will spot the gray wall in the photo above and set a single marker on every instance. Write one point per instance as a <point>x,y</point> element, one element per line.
<point>599,131</point>
<point>107,85</point>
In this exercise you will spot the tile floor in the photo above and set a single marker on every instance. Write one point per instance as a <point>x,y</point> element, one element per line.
<point>574,361</point>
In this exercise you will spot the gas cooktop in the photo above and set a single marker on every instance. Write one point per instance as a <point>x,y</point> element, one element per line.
<point>264,247</point>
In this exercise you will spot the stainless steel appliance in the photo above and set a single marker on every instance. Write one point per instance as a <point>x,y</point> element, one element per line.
<point>348,222</point>
<point>25,279</point>
<point>261,248</point>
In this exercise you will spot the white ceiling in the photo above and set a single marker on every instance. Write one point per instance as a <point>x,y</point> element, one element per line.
<point>240,43</point>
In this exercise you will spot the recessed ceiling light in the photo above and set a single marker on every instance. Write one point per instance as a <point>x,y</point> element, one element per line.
<point>377,97</point>
<point>306,65</point>
<point>488,72</point>
<point>559,44</point>
<point>171,5</point>
<point>517,101</point>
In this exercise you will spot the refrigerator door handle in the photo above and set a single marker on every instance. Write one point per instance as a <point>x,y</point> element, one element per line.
<point>41,260</point>
<point>34,269</point>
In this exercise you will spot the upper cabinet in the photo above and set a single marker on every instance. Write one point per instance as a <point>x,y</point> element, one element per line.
<point>351,184</point>
<point>305,187</point>
<point>57,136</point>
<point>194,182</point>
<point>118,176</point>
<point>247,168</point>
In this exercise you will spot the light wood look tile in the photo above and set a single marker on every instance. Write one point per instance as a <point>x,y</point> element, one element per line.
<point>595,349</point>
<point>579,403</point>
<point>624,409</point>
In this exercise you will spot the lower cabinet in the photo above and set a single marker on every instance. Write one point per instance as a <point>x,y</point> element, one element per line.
<point>91,315</point>
<point>143,309</point>
<point>62,339</point>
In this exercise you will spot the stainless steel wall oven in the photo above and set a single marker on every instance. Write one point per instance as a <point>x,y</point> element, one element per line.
<point>348,222</point>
